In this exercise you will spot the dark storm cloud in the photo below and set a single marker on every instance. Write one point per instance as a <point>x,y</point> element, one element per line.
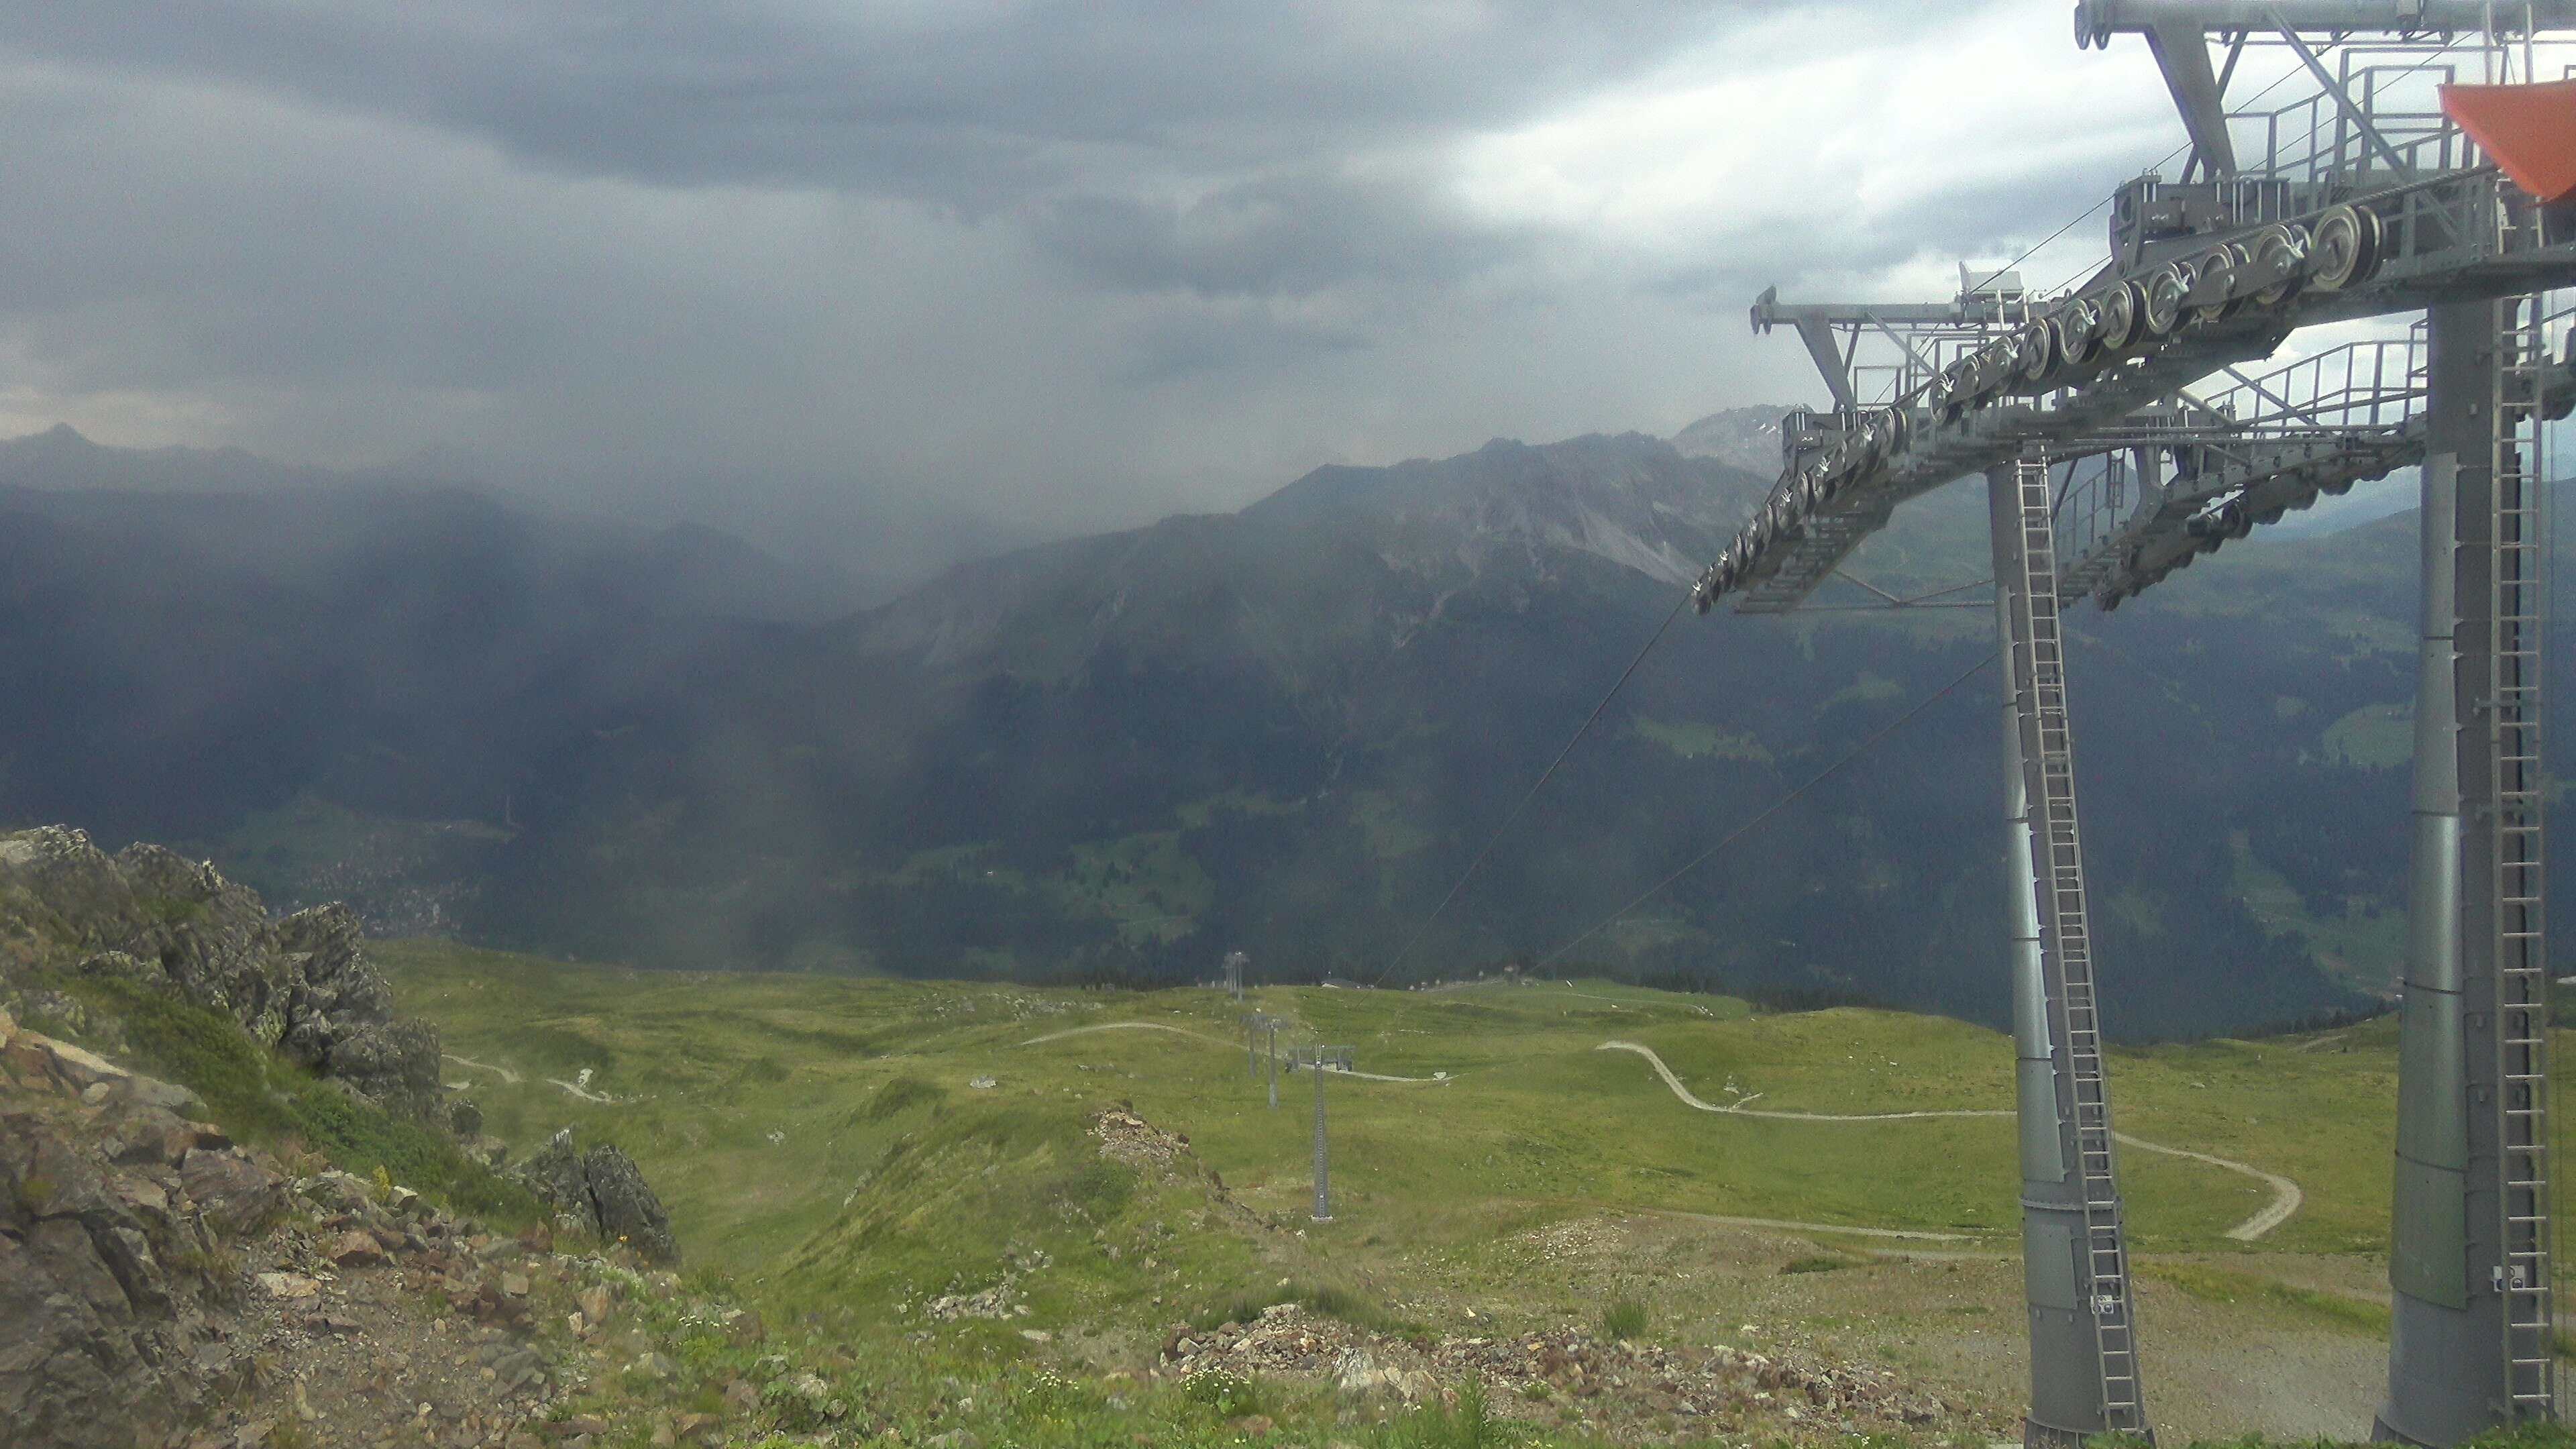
<point>1062,265</point>
<point>1148,144</point>
<point>950,99</point>
<point>1291,235</point>
<point>1193,338</point>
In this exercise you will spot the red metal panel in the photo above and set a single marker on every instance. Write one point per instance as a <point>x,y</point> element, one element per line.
<point>2530,130</point>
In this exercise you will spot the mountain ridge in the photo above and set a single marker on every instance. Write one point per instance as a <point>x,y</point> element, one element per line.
<point>1286,729</point>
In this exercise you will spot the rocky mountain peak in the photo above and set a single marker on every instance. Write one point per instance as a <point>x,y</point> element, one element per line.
<point>1747,438</point>
<point>1631,499</point>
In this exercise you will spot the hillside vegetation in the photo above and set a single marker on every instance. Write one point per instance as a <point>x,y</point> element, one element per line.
<point>1284,731</point>
<point>859,1150</point>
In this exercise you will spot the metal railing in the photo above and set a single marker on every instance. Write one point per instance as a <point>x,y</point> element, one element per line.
<point>2232,460</point>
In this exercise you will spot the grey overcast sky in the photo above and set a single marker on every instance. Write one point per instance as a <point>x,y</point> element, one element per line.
<point>1067,263</point>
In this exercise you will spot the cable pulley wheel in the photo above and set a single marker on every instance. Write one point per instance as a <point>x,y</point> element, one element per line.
<point>2279,246</point>
<point>1995,365</point>
<point>1880,440</point>
<point>2078,326</point>
<point>2038,352</point>
<point>2163,291</point>
<point>2343,250</point>
<point>2216,266</point>
<point>1980,376</point>
<point>2116,318</point>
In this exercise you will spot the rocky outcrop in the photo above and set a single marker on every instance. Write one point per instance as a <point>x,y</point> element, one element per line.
<point>604,1193</point>
<point>302,984</point>
<point>339,1015</point>
<point>115,1213</point>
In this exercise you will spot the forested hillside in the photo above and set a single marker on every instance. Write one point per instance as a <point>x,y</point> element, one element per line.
<point>1284,731</point>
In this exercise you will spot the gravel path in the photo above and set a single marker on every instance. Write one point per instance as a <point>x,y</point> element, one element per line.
<point>2286,1196</point>
<point>504,1073</point>
<point>1203,1036</point>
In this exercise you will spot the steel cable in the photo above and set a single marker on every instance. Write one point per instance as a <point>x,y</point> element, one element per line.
<point>1535,786</point>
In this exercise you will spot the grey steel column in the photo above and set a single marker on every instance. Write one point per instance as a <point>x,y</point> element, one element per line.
<point>2065,1354</point>
<point>1274,1065</point>
<point>1323,1195</point>
<point>2446,1351</point>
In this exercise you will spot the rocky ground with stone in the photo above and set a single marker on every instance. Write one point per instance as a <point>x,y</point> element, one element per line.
<point>162,1283</point>
<point>1531,1374</point>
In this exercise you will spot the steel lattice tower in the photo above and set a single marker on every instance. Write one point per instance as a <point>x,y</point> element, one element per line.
<point>2121,439</point>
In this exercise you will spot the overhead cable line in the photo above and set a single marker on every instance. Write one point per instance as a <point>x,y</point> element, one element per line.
<point>2032,250</point>
<point>1535,786</point>
<point>1775,807</point>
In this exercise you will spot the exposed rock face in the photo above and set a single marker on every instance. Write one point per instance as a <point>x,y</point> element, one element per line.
<point>302,984</point>
<point>604,1192</point>
<point>112,1211</point>
<point>1747,438</point>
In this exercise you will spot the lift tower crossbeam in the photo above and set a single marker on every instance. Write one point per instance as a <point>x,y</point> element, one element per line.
<point>2314,426</point>
<point>2363,200</point>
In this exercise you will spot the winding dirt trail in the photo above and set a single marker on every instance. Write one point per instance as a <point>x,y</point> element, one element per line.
<point>1911,1235</point>
<point>1214,1040</point>
<point>504,1073</point>
<point>2286,1196</point>
<point>1127,1026</point>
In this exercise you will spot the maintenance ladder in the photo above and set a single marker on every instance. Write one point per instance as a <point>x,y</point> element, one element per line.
<point>2065,932</point>
<point>2518,600</point>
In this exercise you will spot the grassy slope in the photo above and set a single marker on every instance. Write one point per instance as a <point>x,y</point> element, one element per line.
<point>1536,1125</point>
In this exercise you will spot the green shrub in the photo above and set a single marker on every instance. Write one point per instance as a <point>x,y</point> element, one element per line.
<point>1624,1317</point>
<point>171,910</point>
<point>1230,1394</point>
<point>1471,1425</point>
